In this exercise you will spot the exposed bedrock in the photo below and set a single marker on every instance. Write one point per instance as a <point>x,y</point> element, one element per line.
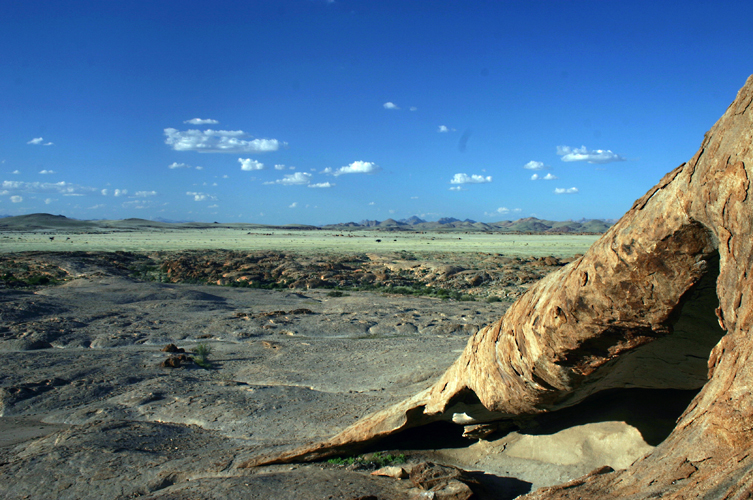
<point>662,300</point>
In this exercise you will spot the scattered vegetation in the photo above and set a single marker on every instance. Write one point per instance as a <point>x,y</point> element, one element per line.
<point>375,460</point>
<point>16,273</point>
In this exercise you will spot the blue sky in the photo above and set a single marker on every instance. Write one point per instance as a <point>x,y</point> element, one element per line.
<point>317,111</point>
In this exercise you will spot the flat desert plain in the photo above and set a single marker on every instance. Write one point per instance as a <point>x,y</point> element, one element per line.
<point>295,241</point>
<point>312,332</point>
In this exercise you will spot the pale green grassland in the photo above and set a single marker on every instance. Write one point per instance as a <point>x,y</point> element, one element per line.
<point>296,241</point>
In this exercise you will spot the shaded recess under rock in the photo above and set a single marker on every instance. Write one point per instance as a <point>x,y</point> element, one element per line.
<point>635,311</point>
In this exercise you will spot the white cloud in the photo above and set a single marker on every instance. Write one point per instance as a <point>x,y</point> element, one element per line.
<point>280,167</point>
<point>201,121</point>
<point>199,168</point>
<point>16,172</point>
<point>503,211</point>
<point>104,192</point>
<point>584,154</point>
<point>458,188</point>
<point>535,165</point>
<point>293,205</point>
<point>298,178</point>
<point>321,185</point>
<point>413,108</point>
<point>470,179</point>
<point>45,172</point>
<point>443,128</point>
<point>175,165</point>
<point>144,194</point>
<point>201,196</point>
<point>218,141</point>
<point>120,192</point>
<point>571,190</point>
<point>214,206</point>
<point>390,105</point>
<point>39,141</point>
<point>547,177</point>
<point>249,164</point>
<point>357,167</point>
<point>47,201</point>
<point>16,199</point>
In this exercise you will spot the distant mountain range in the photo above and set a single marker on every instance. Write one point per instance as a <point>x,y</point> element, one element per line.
<point>527,225</point>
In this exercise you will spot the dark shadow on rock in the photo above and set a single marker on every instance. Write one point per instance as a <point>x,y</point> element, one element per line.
<point>491,487</point>
<point>653,412</point>
<point>432,436</point>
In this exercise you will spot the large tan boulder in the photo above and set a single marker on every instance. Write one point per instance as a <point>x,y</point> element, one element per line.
<point>666,285</point>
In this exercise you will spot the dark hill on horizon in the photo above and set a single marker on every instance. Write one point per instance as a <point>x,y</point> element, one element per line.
<point>45,222</point>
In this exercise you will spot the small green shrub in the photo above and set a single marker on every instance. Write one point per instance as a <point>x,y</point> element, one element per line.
<point>201,354</point>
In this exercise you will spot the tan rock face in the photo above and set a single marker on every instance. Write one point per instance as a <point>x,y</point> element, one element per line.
<point>641,294</point>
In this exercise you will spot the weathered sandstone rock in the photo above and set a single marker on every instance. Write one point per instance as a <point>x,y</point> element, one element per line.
<point>667,285</point>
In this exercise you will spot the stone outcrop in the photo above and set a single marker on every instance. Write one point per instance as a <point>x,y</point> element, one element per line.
<point>663,300</point>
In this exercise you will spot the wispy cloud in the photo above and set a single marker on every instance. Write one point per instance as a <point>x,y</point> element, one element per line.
<point>293,205</point>
<point>201,196</point>
<point>535,165</point>
<point>321,185</point>
<point>218,141</point>
<point>120,192</point>
<point>46,172</point>
<point>144,194</point>
<point>443,129</point>
<point>249,164</point>
<point>201,121</point>
<point>63,188</point>
<point>357,167</point>
<point>458,188</point>
<point>584,154</point>
<point>571,190</point>
<point>470,179</point>
<point>413,108</point>
<point>390,105</point>
<point>175,165</point>
<point>16,199</point>
<point>39,141</point>
<point>16,172</point>
<point>298,178</point>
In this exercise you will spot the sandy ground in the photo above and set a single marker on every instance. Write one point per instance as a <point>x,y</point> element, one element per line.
<point>86,410</point>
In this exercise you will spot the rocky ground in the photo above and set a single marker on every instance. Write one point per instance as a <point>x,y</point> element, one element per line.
<point>299,347</point>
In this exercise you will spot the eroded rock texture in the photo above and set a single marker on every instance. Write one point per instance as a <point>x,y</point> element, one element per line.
<point>642,295</point>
